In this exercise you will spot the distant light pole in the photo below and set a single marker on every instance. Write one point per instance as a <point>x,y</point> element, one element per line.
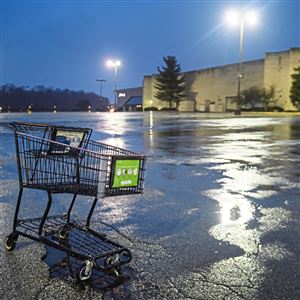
<point>114,64</point>
<point>101,83</point>
<point>234,18</point>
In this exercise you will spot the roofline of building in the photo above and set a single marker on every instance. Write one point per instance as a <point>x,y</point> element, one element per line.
<point>284,51</point>
<point>215,67</point>
<point>131,88</point>
<point>223,66</point>
<point>233,64</point>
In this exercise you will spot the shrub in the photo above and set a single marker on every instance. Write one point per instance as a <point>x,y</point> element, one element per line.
<point>151,108</point>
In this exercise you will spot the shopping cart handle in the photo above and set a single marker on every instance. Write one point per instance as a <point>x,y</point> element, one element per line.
<point>16,125</point>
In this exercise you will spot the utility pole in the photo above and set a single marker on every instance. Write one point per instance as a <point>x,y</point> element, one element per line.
<point>115,64</point>
<point>101,83</point>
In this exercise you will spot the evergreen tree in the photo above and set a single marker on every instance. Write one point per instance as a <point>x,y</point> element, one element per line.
<point>295,88</point>
<point>170,83</point>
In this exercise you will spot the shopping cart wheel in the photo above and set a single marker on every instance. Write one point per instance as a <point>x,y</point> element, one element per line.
<point>110,261</point>
<point>63,232</point>
<point>86,271</point>
<point>10,242</point>
<point>125,256</point>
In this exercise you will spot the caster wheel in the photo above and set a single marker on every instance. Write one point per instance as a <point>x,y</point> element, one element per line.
<point>125,256</point>
<point>10,242</point>
<point>110,261</point>
<point>86,271</point>
<point>63,232</point>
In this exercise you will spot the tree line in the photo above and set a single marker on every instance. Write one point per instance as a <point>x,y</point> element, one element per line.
<point>40,98</point>
<point>170,87</point>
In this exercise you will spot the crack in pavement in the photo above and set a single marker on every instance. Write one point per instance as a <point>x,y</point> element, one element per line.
<point>180,291</point>
<point>38,293</point>
<point>232,287</point>
<point>246,274</point>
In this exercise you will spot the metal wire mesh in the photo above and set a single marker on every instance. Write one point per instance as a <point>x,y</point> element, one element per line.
<point>88,169</point>
<point>60,168</point>
<point>78,239</point>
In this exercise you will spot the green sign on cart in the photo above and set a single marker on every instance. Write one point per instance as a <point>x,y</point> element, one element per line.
<point>126,173</point>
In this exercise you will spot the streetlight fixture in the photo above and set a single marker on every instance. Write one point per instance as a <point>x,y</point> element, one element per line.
<point>101,83</point>
<point>114,64</point>
<point>234,18</point>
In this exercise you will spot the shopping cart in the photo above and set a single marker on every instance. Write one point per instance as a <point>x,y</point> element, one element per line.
<point>61,159</point>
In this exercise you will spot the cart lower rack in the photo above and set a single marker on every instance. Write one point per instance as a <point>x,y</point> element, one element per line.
<point>64,160</point>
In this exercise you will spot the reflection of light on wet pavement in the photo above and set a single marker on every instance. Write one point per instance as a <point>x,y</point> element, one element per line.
<point>254,170</point>
<point>274,219</point>
<point>235,209</point>
<point>151,122</point>
<point>219,213</point>
<point>116,209</point>
<point>276,251</point>
<point>240,178</point>
<point>260,194</point>
<point>250,269</point>
<point>237,123</point>
<point>115,126</point>
<point>243,147</point>
<point>115,141</point>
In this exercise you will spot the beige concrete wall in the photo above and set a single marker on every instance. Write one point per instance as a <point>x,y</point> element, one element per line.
<point>212,88</point>
<point>279,66</point>
<point>209,88</point>
<point>149,91</point>
<point>149,99</point>
<point>186,106</point>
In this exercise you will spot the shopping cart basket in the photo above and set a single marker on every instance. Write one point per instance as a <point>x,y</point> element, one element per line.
<point>61,159</point>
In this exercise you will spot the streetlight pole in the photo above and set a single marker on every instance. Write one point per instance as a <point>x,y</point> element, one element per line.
<point>101,83</point>
<point>234,18</point>
<point>240,73</point>
<point>114,64</point>
<point>115,84</point>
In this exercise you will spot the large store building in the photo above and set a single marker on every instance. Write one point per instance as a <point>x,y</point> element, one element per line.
<point>215,89</point>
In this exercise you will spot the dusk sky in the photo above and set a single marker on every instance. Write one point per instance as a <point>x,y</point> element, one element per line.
<point>65,44</point>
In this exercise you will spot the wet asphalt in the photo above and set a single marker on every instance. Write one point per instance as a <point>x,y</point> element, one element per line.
<point>219,218</point>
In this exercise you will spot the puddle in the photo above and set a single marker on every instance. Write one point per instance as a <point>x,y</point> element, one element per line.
<point>65,267</point>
